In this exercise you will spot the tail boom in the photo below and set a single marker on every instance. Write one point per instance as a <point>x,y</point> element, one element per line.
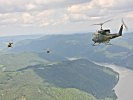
<point>120,31</point>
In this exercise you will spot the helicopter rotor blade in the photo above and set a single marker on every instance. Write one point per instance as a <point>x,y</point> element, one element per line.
<point>124,24</point>
<point>95,24</point>
<point>102,23</point>
<point>107,21</point>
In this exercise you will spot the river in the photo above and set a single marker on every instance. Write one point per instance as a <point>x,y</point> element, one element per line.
<point>124,88</point>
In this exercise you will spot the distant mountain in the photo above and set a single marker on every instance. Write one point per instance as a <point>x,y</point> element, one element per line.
<point>65,73</point>
<point>17,38</point>
<point>4,40</point>
<point>28,76</point>
<point>127,61</point>
<point>27,84</point>
<point>80,74</point>
<point>78,45</point>
<point>12,62</point>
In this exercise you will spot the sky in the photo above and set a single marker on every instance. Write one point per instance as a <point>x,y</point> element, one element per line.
<point>21,17</point>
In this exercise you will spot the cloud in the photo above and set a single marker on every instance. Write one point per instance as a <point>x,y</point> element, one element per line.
<point>130,15</point>
<point>49,11</point>
<point>7,6</point>
<point>97,9</point>
<point>62,13</point>
<point>30,6</point>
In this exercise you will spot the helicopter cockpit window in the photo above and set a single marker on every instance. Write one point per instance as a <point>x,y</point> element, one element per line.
<point>108,31</point>
<point>104,32</point>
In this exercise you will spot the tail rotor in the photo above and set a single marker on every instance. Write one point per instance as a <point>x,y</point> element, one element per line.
<point>123,23</point>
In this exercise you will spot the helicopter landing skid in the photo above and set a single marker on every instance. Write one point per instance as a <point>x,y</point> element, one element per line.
<point>108,43</point>
<point>97,44</point>
<point>94,44</point>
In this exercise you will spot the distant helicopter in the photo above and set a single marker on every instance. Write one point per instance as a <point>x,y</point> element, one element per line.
<point>48,50</point>
<point>10,44</point>
<point>104,36</point>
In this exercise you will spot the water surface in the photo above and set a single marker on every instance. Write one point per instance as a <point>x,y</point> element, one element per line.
<point>124,88</point>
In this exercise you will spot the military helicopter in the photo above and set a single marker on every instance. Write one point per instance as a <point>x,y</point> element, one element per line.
<point>104,35</point>
<point>10,44</point>
<point>48,50</point>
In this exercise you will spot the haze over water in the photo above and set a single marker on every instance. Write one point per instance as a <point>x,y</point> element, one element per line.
<point>124,88</point>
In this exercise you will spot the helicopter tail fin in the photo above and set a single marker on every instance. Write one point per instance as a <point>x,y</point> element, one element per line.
<point>121,28</point>
<point>120,31</point>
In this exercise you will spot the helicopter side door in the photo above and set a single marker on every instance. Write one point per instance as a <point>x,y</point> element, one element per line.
<point>98,37</point>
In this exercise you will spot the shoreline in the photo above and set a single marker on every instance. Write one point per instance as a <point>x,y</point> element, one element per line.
<point>124,88</point>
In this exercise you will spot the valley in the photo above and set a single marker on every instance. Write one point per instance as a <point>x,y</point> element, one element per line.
<point>68,72</point>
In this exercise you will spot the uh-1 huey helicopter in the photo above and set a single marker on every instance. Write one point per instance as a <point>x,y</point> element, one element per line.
<point>104,35</point>
<point>10,44</point>
<point>48,50</point>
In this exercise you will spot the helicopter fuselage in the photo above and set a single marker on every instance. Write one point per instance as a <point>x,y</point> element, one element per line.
<point>100,38</point>
<point>104,36</point>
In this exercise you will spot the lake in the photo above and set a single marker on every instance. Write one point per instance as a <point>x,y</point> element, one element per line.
<point>124,88</point>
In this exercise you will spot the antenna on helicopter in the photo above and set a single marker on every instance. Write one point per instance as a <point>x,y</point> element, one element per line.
<point>101,24</point>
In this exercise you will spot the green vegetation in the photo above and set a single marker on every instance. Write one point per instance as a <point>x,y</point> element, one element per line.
<point>80,74</point>
<point>26,85</point>
<point>79,45</point>
<point>34,78</point>
<point>28,73</point>
<point>12,62</point>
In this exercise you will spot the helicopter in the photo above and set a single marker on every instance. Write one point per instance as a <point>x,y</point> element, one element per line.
<point>104,35</point>
<point>10,44</point>
<point>48,50</point>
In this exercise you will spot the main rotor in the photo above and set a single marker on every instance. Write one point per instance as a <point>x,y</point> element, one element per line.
<point>101,24</point>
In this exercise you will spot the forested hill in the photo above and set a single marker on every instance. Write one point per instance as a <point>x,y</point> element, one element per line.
<point>79,45</point>
<point>80,74</point>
